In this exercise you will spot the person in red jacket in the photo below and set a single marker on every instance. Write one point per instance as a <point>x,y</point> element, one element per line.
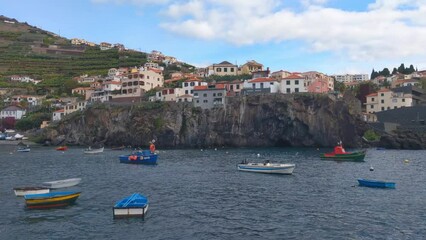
<point>152,146</point>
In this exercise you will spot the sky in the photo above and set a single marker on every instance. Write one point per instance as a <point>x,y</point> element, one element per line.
<point>329,36</point>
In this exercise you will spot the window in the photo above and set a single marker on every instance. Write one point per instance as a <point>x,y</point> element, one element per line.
<point>218,70</point>
<point>296,82</point>
<point>185,84</point>
<point>192,84</point>
<point>382,94</point>
<point>383,108</point>
<point>403,100</point>
<point>205,101</point>
<point>186,91</point>
<point>214,94</point>
<point>261,85</point>
<point>225,69</point>
<point>372,99</point>
<point>238,86</point>
<point>287,82</point>
<point>219,94</point>
<point>296,90</point>
<point>288,90</point>
<point>232,69</point>
<point>383,101</point>
<point>198,101</point>
<point>388,108</point>
<point>253,85</point>
<point>371,106</point>
<point>205,95</point>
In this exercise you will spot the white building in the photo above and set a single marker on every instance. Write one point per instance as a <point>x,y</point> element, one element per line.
<point>351,77</point>
<point>12,111</point>
<point>188,86</point>
<point>293,84</point>
<point>259,85</point>
<point>386,99</point>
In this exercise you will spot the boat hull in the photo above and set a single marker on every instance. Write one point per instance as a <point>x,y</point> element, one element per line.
<point>94,151</point>
<point>145,157</point>
<point>62,183</point>
<point>130,212</point>
<point>50,200</point>
<point>24,150</point>
<point>354,156</point>
<point>267,168</point>
<point>20,192</point>
<point>375,183</point>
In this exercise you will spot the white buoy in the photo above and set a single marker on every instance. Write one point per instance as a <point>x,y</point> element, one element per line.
<point>201,150</point>
<point>258,155</point>
<point>226,152</point>
<point>371,168</point>
<point>215,149</point>
<point>406,161</point>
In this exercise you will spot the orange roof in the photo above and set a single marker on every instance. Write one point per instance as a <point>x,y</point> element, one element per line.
<point>218,86</point>
<point>115,82</point>
<point>60,110</point>
<point>186,95</point>
<point>294,76</point>
<point>264,79</point>
<point>155,70</point>
<point>200,87</point>
<point>371,95</point>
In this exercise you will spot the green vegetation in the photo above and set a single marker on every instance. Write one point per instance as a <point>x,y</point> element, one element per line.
<point>33,120</point>
<point>372,136</point>
<point>386,73</point>
<point>158,123</point>
<point>227,78</point>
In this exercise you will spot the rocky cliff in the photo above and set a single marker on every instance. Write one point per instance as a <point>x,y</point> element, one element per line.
<point>302,120</point>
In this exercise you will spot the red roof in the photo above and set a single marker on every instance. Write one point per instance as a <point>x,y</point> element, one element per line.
<point>371,95</point>
<point>219,86</point>
<point>200,87</point>
<point>60,110</point>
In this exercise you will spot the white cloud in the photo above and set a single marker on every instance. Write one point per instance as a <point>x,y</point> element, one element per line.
<point>388,29</point>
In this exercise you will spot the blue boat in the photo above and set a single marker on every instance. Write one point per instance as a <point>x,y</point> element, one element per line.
<point>375,183</point>
<point>140,157</point>
<point>135,205</point>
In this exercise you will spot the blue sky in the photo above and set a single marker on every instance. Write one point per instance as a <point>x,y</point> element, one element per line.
<point>329,36</point>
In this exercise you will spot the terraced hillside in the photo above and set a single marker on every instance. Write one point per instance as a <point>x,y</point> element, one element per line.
<point>28,50</point>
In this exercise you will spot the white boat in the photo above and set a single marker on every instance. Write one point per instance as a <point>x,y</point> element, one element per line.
<point>93,150</point>
<point>23,149</point>
<point>62,183</point>
<point>21,191</point>
<point>267,167</point>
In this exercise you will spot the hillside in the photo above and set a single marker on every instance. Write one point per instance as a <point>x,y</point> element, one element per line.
<point>28,50</point>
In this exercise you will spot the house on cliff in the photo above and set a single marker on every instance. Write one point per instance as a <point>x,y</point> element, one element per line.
<point>208,97</point>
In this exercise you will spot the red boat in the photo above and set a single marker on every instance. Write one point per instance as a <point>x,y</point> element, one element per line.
<point>62,148</point>
<point>339,153</point>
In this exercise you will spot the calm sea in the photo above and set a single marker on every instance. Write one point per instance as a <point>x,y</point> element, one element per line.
<point>198,194</point>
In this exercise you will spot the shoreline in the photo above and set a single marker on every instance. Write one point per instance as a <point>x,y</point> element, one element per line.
<point>15,142</point>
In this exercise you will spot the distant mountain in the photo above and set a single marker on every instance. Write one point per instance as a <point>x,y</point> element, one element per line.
<point>28,50</point>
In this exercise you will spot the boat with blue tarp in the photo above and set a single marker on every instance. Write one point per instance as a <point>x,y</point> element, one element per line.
<point>375,183</point>
<point>140,157</point>
<point>50,200</point>
<point>135,205</point>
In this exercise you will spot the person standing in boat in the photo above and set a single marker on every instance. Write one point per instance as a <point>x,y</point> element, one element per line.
<point>152,146</point>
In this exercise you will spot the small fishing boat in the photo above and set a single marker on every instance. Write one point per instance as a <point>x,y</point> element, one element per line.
<point>340,154</point>
<point>135,205</point>
<point>21,191</point>
<point>62,183</point>
<point>267,167</point>
<point>94,150</point>
<point>375,183</point>
<point>50,200</point>
<point>23,149</point>
<point>140,157</point>
<point>118,148</point>
<point>62,148</point>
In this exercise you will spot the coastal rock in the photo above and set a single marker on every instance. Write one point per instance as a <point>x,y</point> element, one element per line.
<point>300,120</point>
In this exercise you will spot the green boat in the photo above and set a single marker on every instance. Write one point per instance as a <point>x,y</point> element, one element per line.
<point>339,154</point>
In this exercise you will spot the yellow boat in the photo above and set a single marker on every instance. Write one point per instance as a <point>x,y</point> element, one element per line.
<point>51,200</point>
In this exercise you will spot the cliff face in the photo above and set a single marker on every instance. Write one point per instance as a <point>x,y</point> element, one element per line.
<point>250,121</point>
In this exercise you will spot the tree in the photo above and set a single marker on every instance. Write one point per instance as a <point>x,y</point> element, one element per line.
<point>385,72</point>
<point>374,74</point>
<point>339,86</point>
<point>411,69</point>
<point>394,71</point>
<point>401,68</point>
